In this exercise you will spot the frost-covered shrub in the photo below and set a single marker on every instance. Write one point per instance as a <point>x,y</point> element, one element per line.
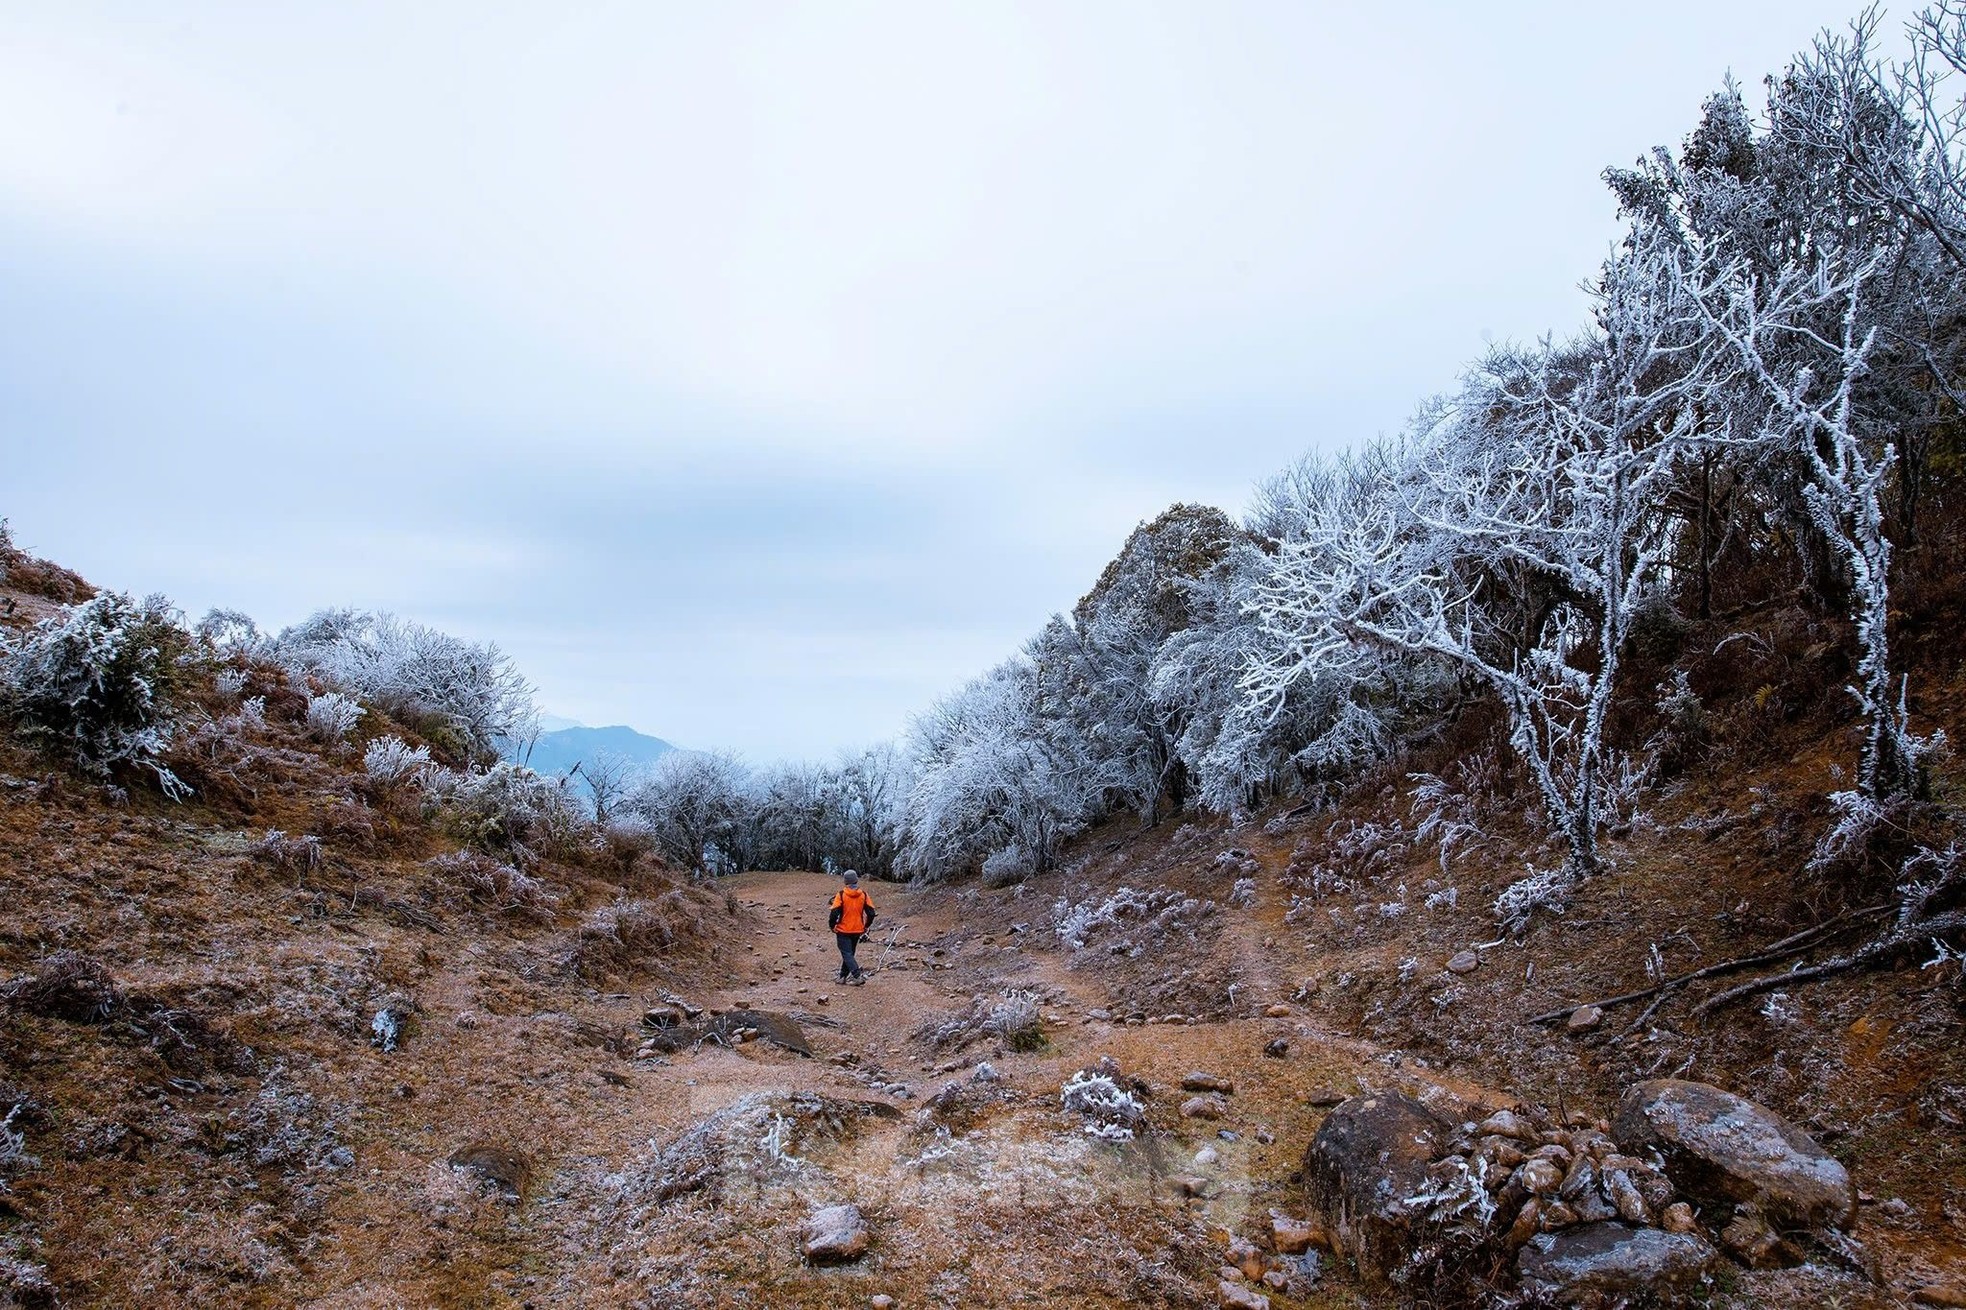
<point>295,854</point>
<point>231,633</point>
<point>1111,1112</point>
<point>488,882</point>
<point>1243,894</point>
<point>391,760</point>
<point>1016,1022</point>
<point>331,716</point>
<point>1542,889</point>
<point>509,808</point>
<point>469,691</point>
<point>1131,921</point>
<point>100,684</point>
<point>618,937</point>
<point>1011,864</point>
<point>229,683</point>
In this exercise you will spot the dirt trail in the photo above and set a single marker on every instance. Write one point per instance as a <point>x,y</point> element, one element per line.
<point>1092,1223</point>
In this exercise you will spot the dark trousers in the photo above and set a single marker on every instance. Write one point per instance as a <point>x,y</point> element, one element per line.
<point>849,942</point>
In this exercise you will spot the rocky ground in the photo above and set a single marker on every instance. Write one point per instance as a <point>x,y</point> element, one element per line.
<point>290,1042</point>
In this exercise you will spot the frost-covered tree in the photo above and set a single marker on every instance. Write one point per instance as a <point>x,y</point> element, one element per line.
<point>695,806</point>
<point>1543,481</point>
<point>990,783</point>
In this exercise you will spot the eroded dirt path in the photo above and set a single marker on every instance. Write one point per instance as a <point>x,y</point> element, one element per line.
<point>953,1171</point>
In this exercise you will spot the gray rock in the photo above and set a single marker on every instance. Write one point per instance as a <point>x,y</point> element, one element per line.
<point>1370,1155</point>
<point>1464,962</point>
<point>835,1235</point>
<point>1612,1264</point>
<point>1719,1147</point>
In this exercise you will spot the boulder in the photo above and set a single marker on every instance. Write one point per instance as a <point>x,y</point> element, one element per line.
<point>835,1235</point>
<point>1612,1264</point>
<point>1719,1147</point>
<point>1370,1155</point>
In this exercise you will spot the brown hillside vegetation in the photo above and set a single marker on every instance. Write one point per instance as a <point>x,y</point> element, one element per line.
<point>302,1039</point>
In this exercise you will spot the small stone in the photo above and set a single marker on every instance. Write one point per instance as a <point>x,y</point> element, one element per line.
<point>1528,1222</point>
<point>1507,1123</point>
<point>882,1302</point>
<point>1193,1185</point>
<point>1540,1177</point>
<point>1464,962</point>
<point>1678,1218</point>
<point>1584,1018</point>
<point>836,1235</point>
<point>1235,1296</point>
<point>1291,1236</point>
<point>1229,1274</point>
<point>1277,1049</point>
<point>1206,1156</point>
<point>1276,1280</point>
<point>822,999</point>
<point>1175,1019</point>
<point>1210,1106</point>
<point>1207,1082</point>
<point>1557,1215</point>
<point>1325,1097</point>
<point>1102,1015</point>
<point>1277,1011</point>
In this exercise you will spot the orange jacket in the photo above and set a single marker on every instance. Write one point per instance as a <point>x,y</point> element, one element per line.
<point>851,911</point>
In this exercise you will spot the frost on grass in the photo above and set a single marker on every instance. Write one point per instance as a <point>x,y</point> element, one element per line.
<point>1129,921</point>
<point>487,882</point>
<point>757,1140</point>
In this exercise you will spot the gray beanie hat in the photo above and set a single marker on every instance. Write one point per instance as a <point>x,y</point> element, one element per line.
<point>852,878</point>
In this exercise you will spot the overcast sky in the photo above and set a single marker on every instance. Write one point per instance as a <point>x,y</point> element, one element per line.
<point>755,373</point>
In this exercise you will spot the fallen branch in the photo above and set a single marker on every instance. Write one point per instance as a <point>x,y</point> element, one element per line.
<point>1781,950</point>
<point>1905,937</point>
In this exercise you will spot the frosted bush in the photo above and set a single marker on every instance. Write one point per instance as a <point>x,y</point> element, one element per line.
<point>390,760</point>
<point>418,674</point>
<point>231,633</point>
<point>1011,864</point>
<point>509,808</point>
<point>252,712</point>
<point>230,682</point>
<point>1015,1021</point>
<point>100,684</point>
<point>331,716</point>
<point>1243,894</point>
<point>1542,889</point>
<point>490,882</point>
<point>1111,1112</point>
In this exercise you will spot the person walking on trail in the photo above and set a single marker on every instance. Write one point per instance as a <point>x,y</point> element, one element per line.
<point>850,916</point>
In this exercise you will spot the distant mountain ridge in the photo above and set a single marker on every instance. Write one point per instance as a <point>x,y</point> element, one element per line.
<point>559,750</point>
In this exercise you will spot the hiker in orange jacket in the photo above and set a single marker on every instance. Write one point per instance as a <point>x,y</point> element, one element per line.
<point>850,916</point>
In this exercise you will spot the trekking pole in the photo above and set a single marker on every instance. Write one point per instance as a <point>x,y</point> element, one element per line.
<point>887,946</point>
